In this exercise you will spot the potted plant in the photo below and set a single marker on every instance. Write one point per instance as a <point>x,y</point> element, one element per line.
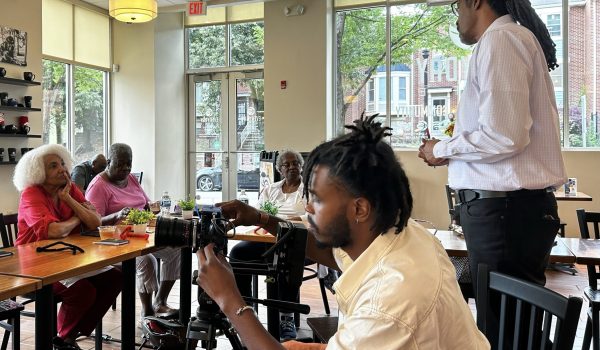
<point>269,207</point>
<point>139,219</point>
<point>187,207</point>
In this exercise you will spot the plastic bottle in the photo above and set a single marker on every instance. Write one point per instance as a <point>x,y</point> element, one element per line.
<point>165,204</point>
<point>244,197</point>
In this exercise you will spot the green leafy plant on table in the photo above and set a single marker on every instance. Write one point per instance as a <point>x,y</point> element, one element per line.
<point>270,208</point>
<point>137,217</point>
<point>187,204</point>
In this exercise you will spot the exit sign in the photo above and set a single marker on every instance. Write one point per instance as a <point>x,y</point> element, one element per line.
<point>196,8</point>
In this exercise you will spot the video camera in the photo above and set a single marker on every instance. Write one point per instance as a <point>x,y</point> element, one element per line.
<point>211,227</point>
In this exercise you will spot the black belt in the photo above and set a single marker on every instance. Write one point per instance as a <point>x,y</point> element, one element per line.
<point>465,196</point>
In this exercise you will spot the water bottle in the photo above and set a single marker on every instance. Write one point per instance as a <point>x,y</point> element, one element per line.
<point>165,204</point>
<point>244,197</point>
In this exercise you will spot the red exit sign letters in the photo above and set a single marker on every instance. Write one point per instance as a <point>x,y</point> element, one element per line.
<point>196,8</point>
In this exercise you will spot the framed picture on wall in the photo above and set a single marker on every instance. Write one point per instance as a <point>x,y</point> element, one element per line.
<point>13,46</point>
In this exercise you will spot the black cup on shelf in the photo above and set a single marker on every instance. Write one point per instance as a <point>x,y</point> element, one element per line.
<point>1,154</point>
<point>2,72</point>
<point>24,150</point>
<point>29,76</point>
<point>12,154</point>
<point>10,129</point>
<point>27,101</point>
<point>12,102</point>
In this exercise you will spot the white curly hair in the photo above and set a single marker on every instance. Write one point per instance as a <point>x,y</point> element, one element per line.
<point>30,170</point>
<point>281,155</point>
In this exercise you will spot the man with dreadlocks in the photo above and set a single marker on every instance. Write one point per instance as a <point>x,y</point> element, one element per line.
<point>504,157</point>
<point>398,289</point>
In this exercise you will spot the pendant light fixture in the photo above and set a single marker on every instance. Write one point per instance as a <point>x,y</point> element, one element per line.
<point>133,11</point>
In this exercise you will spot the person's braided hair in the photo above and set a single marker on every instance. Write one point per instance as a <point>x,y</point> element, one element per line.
<point>522,12</point>
<point>366,166</point>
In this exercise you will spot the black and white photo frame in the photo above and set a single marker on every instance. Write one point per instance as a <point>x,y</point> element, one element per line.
<point>13,46</point>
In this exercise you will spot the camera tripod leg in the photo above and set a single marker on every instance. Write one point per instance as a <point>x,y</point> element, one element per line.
<point>206,328</point>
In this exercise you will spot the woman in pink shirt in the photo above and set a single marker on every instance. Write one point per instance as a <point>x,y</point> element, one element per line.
<point>52,208</point>
<point>114,192</point>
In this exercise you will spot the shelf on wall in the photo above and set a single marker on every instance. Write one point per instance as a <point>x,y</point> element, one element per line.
<point>8,163</point>
<point>21,82</point>
<point>22,135</point>
<point>19,109</point>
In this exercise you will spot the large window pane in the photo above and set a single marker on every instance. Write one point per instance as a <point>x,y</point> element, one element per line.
<point>88,98</point>
<point>54,110</point>
<point>206,47</point>
<point>247,43</point>
<point>427,71</point>
<point>583,73</point>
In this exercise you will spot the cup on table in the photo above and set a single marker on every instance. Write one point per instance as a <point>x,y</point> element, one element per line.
<point>107,232</point>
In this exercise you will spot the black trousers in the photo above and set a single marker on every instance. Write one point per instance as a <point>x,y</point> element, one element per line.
<point>252,251</point>
<point>512,235</point>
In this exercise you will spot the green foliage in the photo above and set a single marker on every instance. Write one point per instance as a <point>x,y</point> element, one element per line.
<point>136,217</point>
<point>247,43</point>
<point>207,46</point>
<point>187,204</point>
<point>270,207</point>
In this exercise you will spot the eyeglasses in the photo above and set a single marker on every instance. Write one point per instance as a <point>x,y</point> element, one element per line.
<point>454,7</point>
<point>291,164</point>
<point>67,246</point>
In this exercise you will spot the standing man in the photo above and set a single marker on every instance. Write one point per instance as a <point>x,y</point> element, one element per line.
<point>83,173</point>
<point>504,156</point>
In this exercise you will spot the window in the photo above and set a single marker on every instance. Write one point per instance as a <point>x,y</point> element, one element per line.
<point>435,65</point>
<point>402,88</point>
<point>82,128</point>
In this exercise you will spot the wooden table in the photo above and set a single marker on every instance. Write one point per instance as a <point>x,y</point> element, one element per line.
<point>50,267</point>
<point>561,196</point>
<point>456,246</point>
<point>249,233</point>
<point>587,251</point>
<point>11,286</point>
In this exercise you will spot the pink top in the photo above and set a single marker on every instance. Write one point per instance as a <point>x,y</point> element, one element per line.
<point>37,210</point>
<point>109,199</point>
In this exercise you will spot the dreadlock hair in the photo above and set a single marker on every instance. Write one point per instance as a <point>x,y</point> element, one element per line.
<point>366,166</point>
<point>522,12</point>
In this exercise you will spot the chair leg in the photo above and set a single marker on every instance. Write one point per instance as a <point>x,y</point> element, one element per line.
<point>16,332</point>
<point>595,329</point>
<point>114,305</point>
<point>98,335</point>
<point>255,291</point>
<point>324,295</point>
<point>5,338</point>
<point>587,335</point>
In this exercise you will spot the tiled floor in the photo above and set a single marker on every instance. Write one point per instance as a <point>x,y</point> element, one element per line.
<point>310,294</point>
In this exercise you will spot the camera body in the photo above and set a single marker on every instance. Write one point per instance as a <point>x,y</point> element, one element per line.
<point>209,227</point>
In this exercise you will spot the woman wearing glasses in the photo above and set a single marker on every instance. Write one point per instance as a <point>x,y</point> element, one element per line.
<point>52,208</point>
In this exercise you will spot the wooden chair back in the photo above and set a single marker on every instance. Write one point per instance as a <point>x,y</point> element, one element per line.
<point>8,229</point>
<point>586,220</point>
<point>521,298</point>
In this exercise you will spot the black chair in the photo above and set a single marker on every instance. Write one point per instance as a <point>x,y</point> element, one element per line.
<point>461,264</point>
<point>525,299</point>
<point>8,234</point>
<point>10,311</point>
<point>138,176</point>
<point>592,327</point>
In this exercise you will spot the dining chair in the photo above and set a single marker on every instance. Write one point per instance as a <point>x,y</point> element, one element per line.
<point>586,220</point>
<point>531,316</point>
<point>138,176</point>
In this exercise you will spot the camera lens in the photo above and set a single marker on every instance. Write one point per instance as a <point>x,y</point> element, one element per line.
<point>173,232</point>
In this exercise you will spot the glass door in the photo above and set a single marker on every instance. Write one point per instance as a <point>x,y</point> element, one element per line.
<point>226,135</point>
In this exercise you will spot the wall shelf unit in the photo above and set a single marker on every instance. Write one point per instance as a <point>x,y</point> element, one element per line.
<point>12,81</point>
<point>8,163</point>
<point>22,136</point>
<point>19,109</point>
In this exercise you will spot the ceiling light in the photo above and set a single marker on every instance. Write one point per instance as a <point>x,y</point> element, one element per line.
<point>133,11</point>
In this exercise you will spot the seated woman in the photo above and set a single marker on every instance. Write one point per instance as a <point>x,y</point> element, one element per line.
<point>51,207</point>
<point>114,192</point>
<point>287,195</point>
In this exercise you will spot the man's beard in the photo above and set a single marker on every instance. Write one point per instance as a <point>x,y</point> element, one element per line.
<point>337,231</point>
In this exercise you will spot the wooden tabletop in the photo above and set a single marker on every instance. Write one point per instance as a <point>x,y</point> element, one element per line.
<point>456,246</point>
<point>51,267</point>
<point>580,196</point>
<point>250,233</point>
<point>11,286</point>
<point>587,251</point>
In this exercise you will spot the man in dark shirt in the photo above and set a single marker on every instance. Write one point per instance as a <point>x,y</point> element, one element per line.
<point>83,173</point>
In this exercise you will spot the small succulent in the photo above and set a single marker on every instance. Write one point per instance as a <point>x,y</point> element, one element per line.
<point>269,207</point>
<point>187,204</point>
<point>136,217</point>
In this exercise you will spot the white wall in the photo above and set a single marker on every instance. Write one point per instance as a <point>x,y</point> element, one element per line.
<point>295,51</point>
<point>133,97</point>
<point>26,16</point>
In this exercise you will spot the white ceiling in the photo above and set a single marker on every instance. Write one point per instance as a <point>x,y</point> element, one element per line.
<point>161,3</point>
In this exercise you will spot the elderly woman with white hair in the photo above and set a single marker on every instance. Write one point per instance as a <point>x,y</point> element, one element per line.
<point>52,208</point>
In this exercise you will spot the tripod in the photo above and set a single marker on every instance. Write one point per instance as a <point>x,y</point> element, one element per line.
<point>207,325</point>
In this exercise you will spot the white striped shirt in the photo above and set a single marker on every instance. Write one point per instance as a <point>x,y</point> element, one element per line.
<point>506,135</point>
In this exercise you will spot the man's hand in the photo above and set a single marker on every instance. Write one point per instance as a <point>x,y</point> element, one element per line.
<point>426,153</point>
<point>241,213</point>
<point>215,276</point>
